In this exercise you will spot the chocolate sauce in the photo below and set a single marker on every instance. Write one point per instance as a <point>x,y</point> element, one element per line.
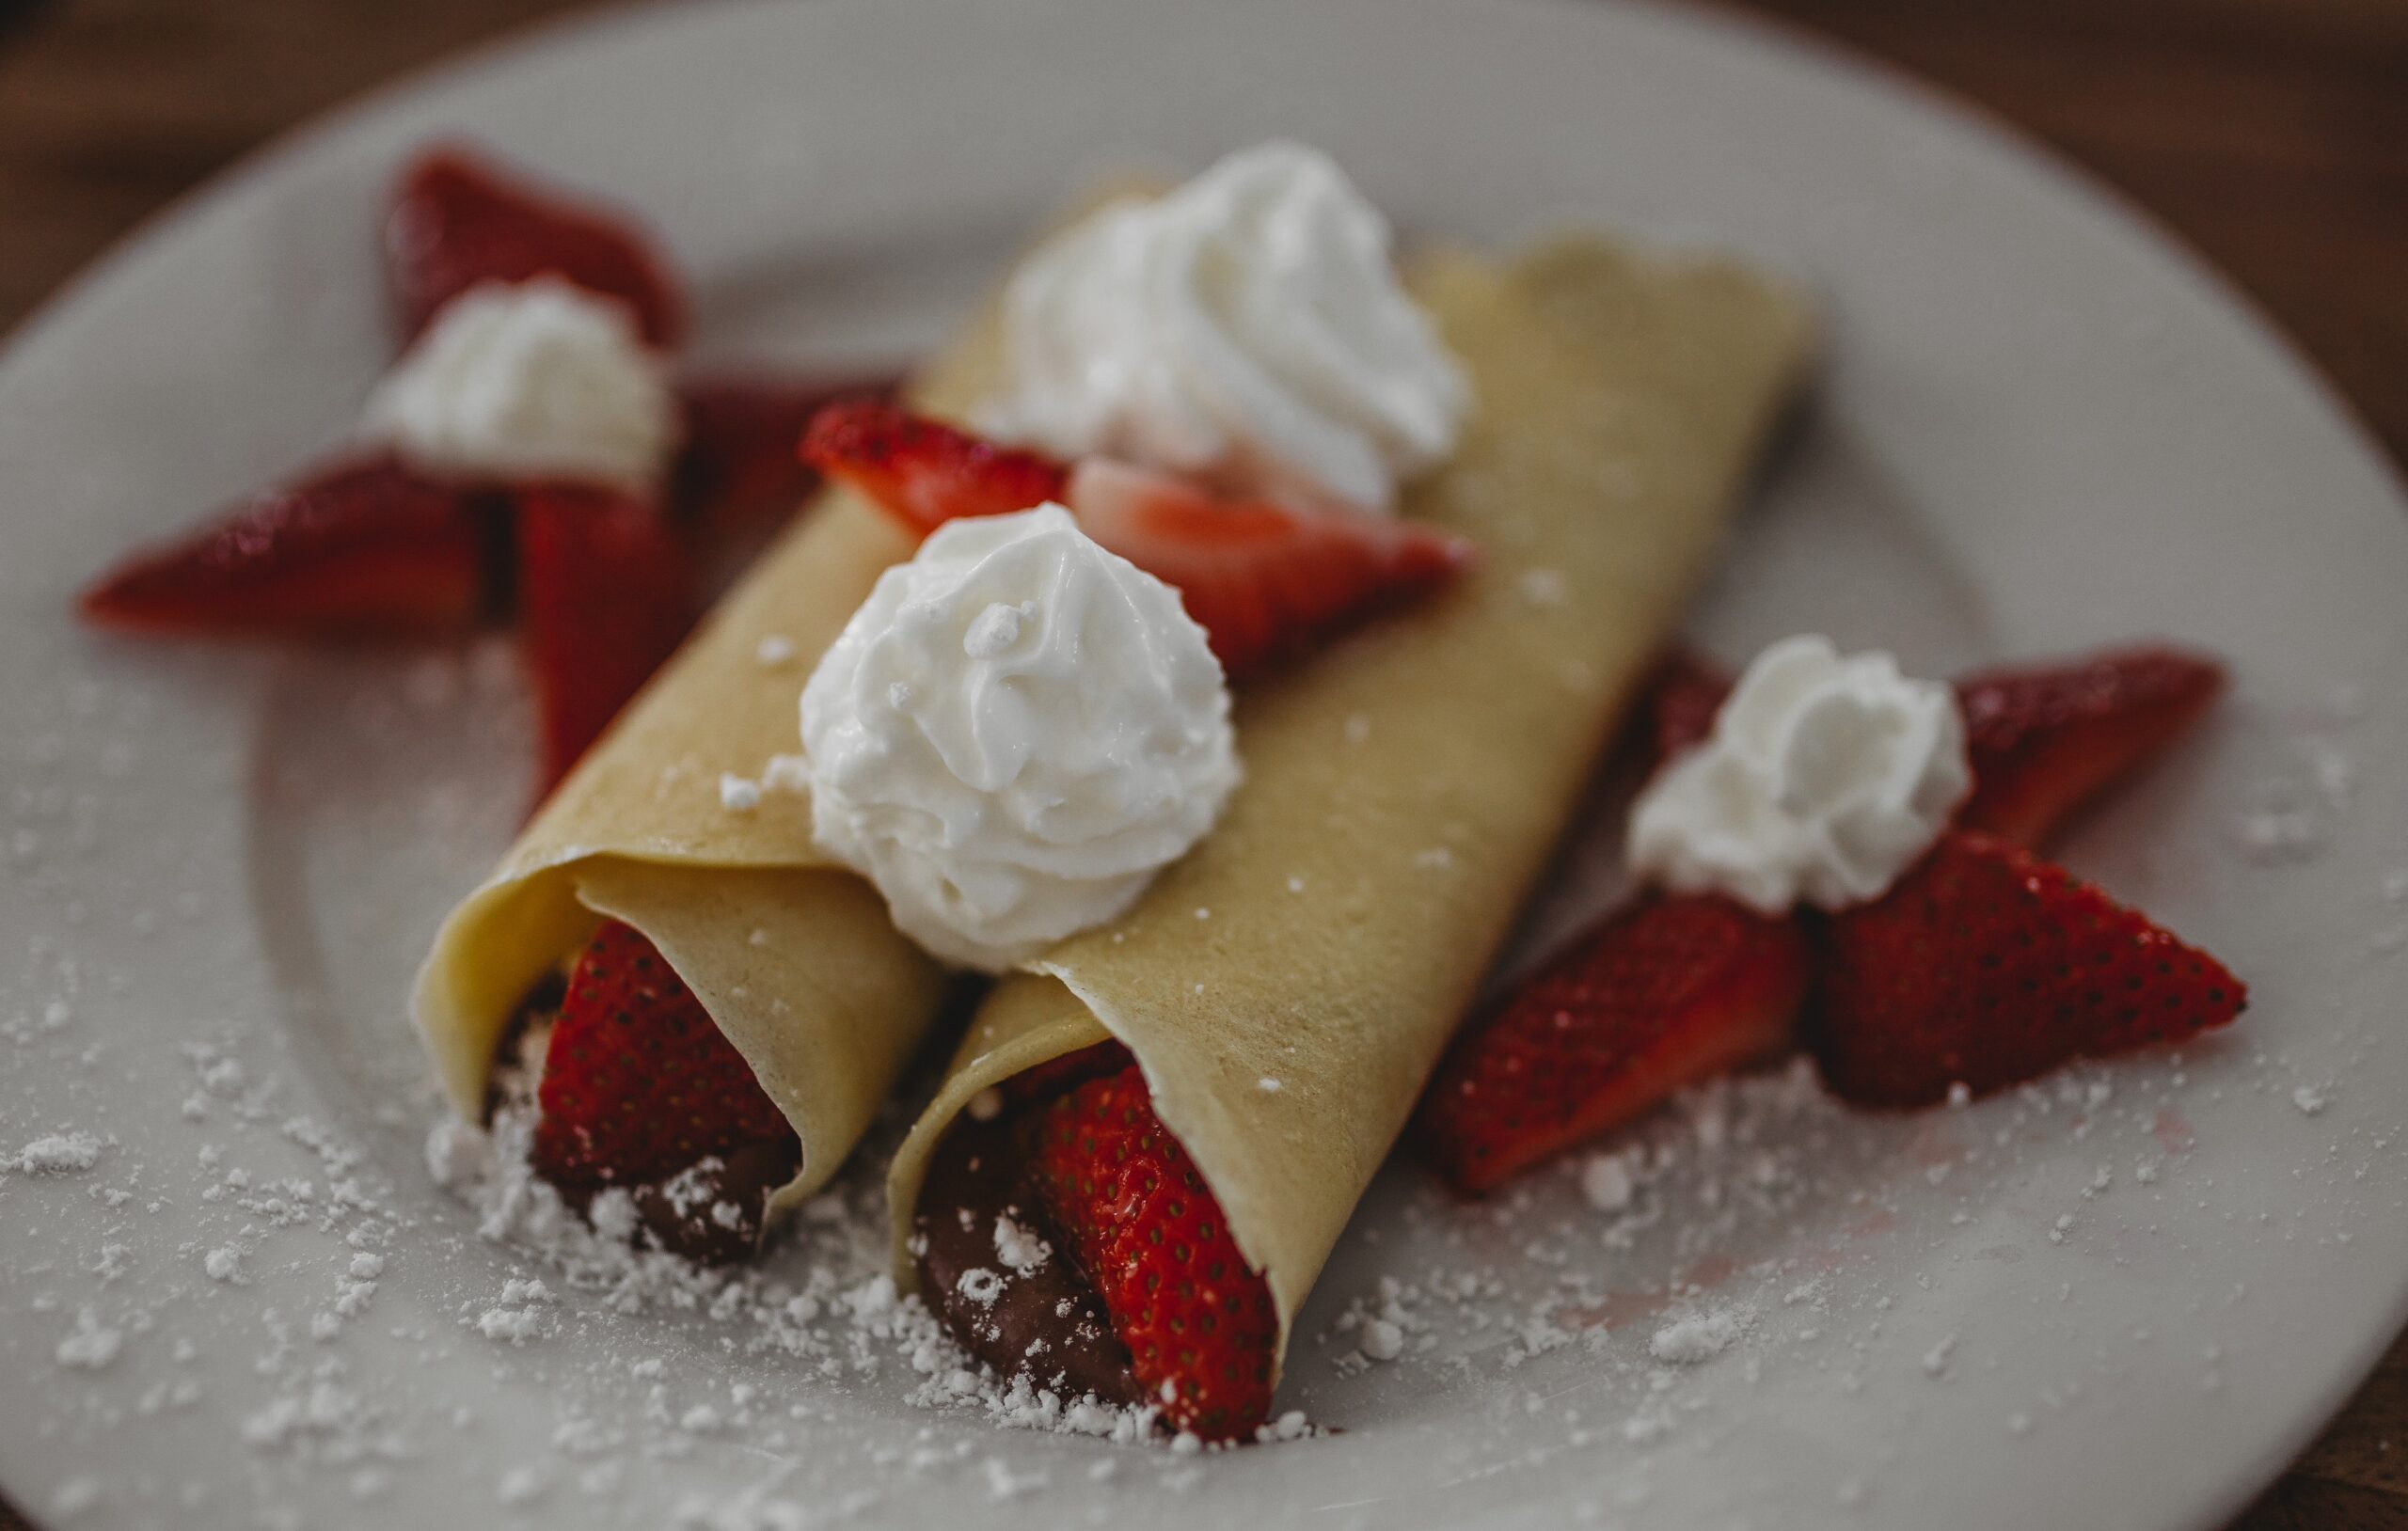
<point>717,1211</point>
<point>1048,1321</point>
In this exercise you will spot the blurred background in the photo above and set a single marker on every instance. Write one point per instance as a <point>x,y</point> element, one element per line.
<point>2271,134</point>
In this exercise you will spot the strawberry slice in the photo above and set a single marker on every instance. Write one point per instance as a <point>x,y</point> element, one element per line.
<point>1655,998</point>
<point>923,471</point>
<point>605,595</point>
<point>1987,967</point>
<point>637,1082</point>
<point>740,472</point>
<point>2043,741</point>
<point>361,548</point>
<point>458,219</point>
<point>1146,1230</point>
<point>1263,580</point>
<point>1686,693</point>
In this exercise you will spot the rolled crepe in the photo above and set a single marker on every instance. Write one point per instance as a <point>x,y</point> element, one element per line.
<point>792,954</point>
<point>1288,987</point>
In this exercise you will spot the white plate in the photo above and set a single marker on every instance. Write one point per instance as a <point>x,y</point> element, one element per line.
<point>2122,1300</point>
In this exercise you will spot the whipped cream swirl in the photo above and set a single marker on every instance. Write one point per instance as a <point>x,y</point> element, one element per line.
<point>1248,329</point>
<point>1013,734</point>
<point>1825,778</point>
<point>535,379</point>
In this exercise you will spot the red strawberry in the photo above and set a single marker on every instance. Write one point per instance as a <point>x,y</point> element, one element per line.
<point>1987,967</point>
<point>2043,741</point>
<point>457,220</point>
<point>605,595</point>
<point>1142,1224</point>
<point>637,1082</point>
<point>1655,998</point>
<point>364,547</point>
<point>1263,580</point>
<point>923,471</point>
<point>1682,699</point>
<point>740,472</point>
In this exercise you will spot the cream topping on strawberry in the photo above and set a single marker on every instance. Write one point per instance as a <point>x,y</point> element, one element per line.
<point>1013,734</point>
<point>1248,329</point>
<point>535,379</point>
<point>1824,778</point>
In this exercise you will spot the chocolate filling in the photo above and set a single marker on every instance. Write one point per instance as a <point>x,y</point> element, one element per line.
<point>1045,1322</point>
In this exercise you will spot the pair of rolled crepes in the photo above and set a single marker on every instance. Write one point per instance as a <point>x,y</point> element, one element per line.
<point>1288,987</point>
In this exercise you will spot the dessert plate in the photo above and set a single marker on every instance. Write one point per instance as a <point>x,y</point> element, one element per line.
<point>232,1291</point>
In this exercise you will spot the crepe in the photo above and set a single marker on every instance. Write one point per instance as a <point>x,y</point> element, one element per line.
<point>1288,987</point>
<point>791,954</point>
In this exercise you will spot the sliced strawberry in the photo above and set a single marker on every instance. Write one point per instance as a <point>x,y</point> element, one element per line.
<point>605,595</point>
<point>923,471</point>
<point>2044,741</point>
<point>1653,999</point>
<point>458,219</point>
<point>1141,1224</point>
<point>740,472</point>
<point>362,548</point>
<point>1987,967</point>
<point>637,1082</point>
<point>1687,692</point>
<point>1263,580</point>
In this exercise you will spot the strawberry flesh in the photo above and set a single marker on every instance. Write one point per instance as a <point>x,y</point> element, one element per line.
<point>605,596</point>
<point>1141,1224</point>
<point>924,472</point>
<point>457,219</point>
<point>364,547</point>
<point>1985,967</point>
<point>1653,999</point>
<point>639,1083</point>
<point>1264,580</point>
<point>2043,741</point>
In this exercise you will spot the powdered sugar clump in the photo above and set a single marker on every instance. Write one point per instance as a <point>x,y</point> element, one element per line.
<point>60,1153</point>
<point>1020,1249</point>
<point>1697,1338</point>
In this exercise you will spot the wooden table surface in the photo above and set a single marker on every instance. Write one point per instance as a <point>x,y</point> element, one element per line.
<point>2273,135</point>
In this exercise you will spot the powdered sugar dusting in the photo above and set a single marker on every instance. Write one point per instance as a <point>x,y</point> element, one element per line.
<point>227,1231</point>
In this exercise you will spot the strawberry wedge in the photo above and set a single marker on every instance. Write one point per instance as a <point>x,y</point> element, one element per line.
<point>637,1081</point>
<point>924,472</point>
<point>2044,740</point>
<point>605,595</point>
<point>1147,1235</point>
<point>1653,999</point>
<point>1264,581</point>
<point>1985,967</point>
<point>362,548</point>
<point>457,219</point>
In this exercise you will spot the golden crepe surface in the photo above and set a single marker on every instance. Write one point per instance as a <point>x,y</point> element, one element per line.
<point>792,954</point>
<point>1288,987</point>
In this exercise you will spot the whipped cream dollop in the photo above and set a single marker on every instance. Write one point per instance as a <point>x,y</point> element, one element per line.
<point>535,379</point>
<point>1825,778</point>
<point>1247,328</point>
<point>1013,734</point>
